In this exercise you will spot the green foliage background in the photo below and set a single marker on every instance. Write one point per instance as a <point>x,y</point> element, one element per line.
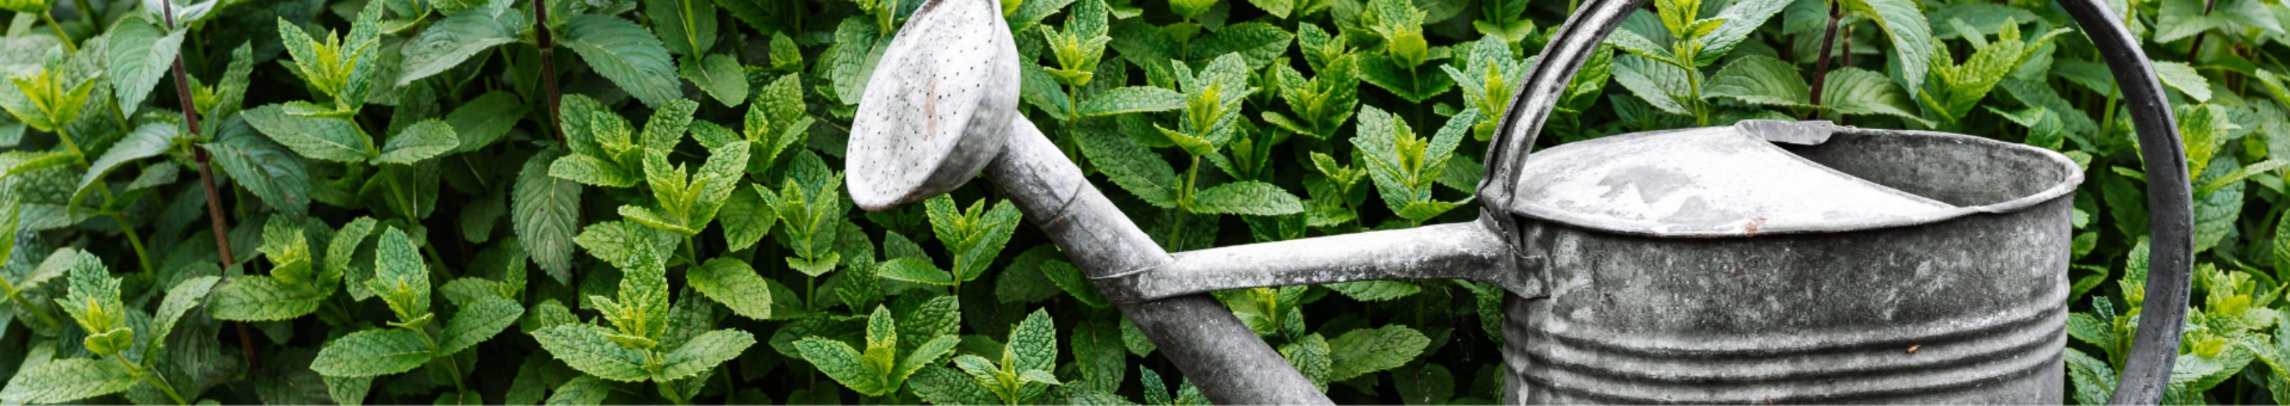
<point>640,201</point>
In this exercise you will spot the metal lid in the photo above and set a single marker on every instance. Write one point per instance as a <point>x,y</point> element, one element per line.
<point>1709,182</point>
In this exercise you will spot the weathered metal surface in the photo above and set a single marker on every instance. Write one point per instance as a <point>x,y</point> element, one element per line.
<point>1453,251</point>
<point>1956,298</point>
<point>1821,318</point>
<point>938,106</point>
<point>1218,353</point>
<point>2170,203</point>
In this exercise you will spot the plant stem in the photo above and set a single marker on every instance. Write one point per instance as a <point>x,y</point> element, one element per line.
<point>548,69</point>
<point>142,257</point>
<point>1828,39</point>
<point>17,296</point>
<point>49,16</point>
<point>2196,48</point>
<point>452,368</point>
<point>153,379</point>
<point>216,222</point>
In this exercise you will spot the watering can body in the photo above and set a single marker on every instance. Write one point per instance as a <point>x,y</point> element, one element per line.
<point>1661,282</point>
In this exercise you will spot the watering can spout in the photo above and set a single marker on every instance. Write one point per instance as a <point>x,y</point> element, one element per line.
<point>1468,251</point>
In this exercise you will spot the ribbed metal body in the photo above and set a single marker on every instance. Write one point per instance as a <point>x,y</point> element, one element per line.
<point>1967,310</point>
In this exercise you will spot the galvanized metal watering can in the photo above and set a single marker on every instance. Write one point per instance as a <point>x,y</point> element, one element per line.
<point>1762,262</point>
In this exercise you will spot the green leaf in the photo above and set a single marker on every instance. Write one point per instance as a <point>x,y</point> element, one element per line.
<point>746,218</point>
<point>1375,291</point>
<point>546,214</point>
<point>1070,279</point>
<point>734,284</point>
<point>581,390</point>
<point>420,141</point>
<point>1760,80</point>
<point>486,119</point>
<point>326,139</point>
<point>1856,91</point>
<point>1363,351</point>
<point>1658,84</point>
<point>1248,198</point>
<point>400,277</point>
<point>720,76</point>
<point>262,167</point>
<point>1131,99</point>
<point>373,352</point>
<point>448,42</point>
<point>63,380</point>
<point>591,171</point>
<point>476,322</point>
<point>1034,344</point>
<point>688,27</point>
<point>180,299</point>
<point>914,270</point>
<point>624,53</point>
<point>262,298</point>
<point>148,140</point>
<point>843,364</point>
<point>2093,380</point>
<point>344,246</point>
<point>703,352</point>
<point>138,55</point>
<point>1134,168</point>
<point>941,385</point>
<point>616,242</point>
<point>1910,34</point>
<point>1739,20</point>
<point>2183,78</point>
<point>585,348</point>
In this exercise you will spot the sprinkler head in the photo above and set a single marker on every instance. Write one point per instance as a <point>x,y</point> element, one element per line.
<point>938,107</point>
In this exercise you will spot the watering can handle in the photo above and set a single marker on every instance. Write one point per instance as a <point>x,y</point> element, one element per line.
<point>2147,369</point>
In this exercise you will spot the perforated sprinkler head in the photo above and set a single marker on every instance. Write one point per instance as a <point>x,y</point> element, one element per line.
<point>938,107</point>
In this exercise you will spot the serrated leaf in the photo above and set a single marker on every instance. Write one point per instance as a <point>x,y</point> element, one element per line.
<point>842,363</point>
<point>616,242</point>
<point>264,168</point>
<point>448,42</point>
<point>261,298</point>
<point>485,119</point>
<point>734,284</point>
<point>591,171</point>
<point>585,348</point>
<point>2183,78</point>
<point>326,139</point>
<point>914,270</point>
<point>626,54</point>
<point>67,379</point>
<point>420,141</point>
<point>1367,350</point>
<point>372,352</point>
<point>720,77</point>
<point>1247,197</point>
<point>1375,291</point>
<point>400,276</point>
<point>746,218</point>
<point>1910,34</point>
<point>702,353</point>
<point>148,140</point>
<point>1131,99</point>
<point>1760,80</point>
<point>546,214</point>
<point>1134,168</point>
<point>476,322</point>
<point>180,299</point>
<point>1033,344</point>
<point>138,55</point>
<point>1857,91</point>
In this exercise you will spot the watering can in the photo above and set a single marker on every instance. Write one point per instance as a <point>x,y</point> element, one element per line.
<point>1767,261</point>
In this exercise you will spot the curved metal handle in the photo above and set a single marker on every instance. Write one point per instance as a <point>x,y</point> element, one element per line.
<point>2169,199</point>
